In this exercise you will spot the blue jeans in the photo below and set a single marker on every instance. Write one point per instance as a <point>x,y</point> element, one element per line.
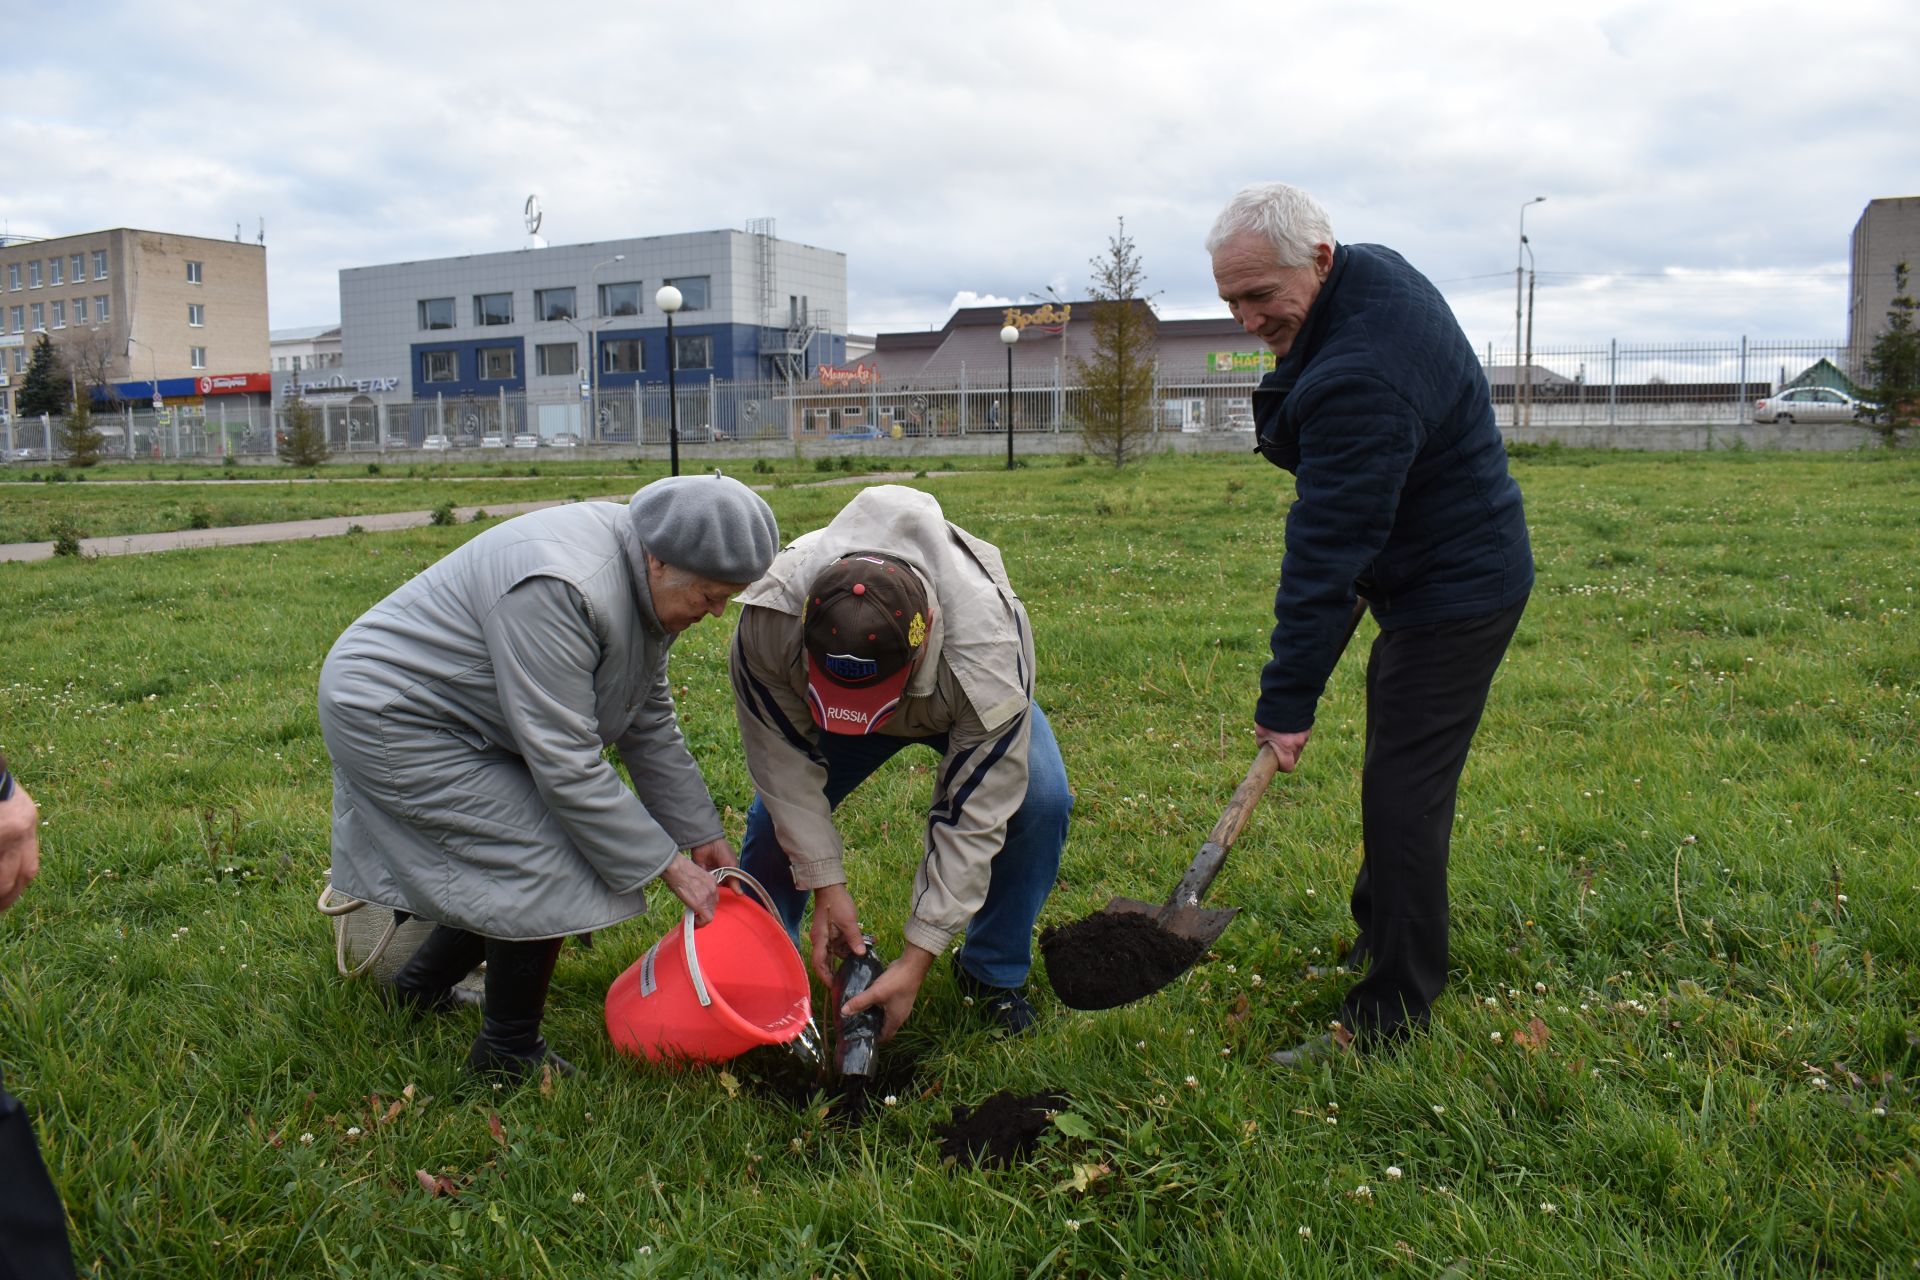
<point>999,946</point>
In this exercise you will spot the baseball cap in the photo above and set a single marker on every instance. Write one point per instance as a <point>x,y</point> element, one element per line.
<point>866,619</point>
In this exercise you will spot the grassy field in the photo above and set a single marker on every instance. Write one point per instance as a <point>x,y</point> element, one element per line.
<point>126,498</point>
<point>1681,1038</point>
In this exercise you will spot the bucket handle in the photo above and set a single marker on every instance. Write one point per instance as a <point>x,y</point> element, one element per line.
<point>720,876</point>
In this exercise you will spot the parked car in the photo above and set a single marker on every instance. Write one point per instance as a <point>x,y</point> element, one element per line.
<point>1810,404</point>
<point>526,440</point>
<point>856,433</point>
<point>493,442</point>
<point>563,440</point>
<point>436,442</point>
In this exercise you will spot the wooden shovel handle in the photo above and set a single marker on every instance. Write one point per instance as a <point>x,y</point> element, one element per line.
<point>1245,797</point>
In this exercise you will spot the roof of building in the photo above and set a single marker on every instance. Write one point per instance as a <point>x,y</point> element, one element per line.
<point>305,333</point>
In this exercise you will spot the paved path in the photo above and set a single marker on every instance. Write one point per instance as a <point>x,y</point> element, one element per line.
<point>134,544</point>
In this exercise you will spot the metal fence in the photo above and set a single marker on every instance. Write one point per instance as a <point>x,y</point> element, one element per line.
<point>1617,383</point>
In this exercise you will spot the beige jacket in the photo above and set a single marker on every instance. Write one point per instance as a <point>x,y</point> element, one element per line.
<point>974,685</point>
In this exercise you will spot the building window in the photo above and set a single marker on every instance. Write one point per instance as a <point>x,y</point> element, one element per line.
<point>19,359</point>
<point>56,271</point>
<point>196,314</point>
<point>100,308</point>
<point>13,275</point>
<point>438,366</point>
<point>621,355</point>
<point>80,311</point>
<point>496,364</point>
<point>60,315</point>
<point>492,308</point>
<point>33,274</point>
<point>557,359</point>
<point>693,353</point>
<point>99,264</point>
<point>436,313</point>
<point>193,273</point>
<point>39,316</point>
<point>197,357</point>
<point>621,299</point>
<point>78,263</point>
<point>19,320</point>
<point>553,304</point>
<point>695,292</point>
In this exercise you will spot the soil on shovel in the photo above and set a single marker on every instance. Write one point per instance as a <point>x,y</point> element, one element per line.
<point>1113,958</point>
<point>999,1130</point>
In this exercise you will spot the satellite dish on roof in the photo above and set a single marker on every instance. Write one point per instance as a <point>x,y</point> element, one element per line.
<point>533,215</point>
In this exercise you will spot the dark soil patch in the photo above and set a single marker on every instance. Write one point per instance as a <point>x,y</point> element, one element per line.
<point>999,1130</point>
<point>1113,958</point>
<point>772,1072</point>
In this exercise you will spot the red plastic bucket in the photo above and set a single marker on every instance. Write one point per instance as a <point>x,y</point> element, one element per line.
<point>712,993</point>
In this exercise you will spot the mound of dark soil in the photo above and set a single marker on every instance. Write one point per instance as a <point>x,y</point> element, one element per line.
<point>772,1072</point>
<point>999,1130</point>
<point>1113,958</point>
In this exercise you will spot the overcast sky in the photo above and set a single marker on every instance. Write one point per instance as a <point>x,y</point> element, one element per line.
<point>1703,163</point>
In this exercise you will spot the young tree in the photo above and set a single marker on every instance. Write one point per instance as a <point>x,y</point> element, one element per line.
<point>45,388</point>
<point>79,439</point>
<point>1117,413</point>
<point>303,441</point>
<point>1893,362</point>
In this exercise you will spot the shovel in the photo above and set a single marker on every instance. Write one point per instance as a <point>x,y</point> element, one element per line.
<point>1130,949</point>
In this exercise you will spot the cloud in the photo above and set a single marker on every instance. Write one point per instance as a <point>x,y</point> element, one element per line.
<point>1704,163</point>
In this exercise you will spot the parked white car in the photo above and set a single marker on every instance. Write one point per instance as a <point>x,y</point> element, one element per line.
<point>436,442</point>
<point>493,442</point>
<point>1810,404</point>
<point>526,440</point>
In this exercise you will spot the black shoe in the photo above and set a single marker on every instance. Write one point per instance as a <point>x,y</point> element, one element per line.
<point>510,1044</point>
<point>429,981</point>
<point>1311,1053</point>
<point>1007,1006</point>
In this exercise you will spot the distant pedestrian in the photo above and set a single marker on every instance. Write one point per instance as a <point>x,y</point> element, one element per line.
<point>1379,408</point>
<point>467,713</point>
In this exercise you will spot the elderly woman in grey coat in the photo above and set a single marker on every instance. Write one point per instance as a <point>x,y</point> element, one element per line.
<point>466,715</point>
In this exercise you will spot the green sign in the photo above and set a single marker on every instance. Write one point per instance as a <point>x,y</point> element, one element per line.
<point>1239,361</point>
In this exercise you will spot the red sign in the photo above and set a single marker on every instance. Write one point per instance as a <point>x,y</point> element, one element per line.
<point>859,375</point>
<point>233,384</point>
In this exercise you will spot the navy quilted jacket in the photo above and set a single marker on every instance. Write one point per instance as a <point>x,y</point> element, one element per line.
<point>1381,412</point>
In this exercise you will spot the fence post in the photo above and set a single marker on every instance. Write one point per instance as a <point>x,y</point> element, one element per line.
<point>1740,393</point>
<point>1613,378</point>
<point>963,397</point>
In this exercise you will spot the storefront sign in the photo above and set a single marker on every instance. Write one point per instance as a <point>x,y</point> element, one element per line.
<point>859,375</point>
<point>1051,318</point>
<point>233,384</point>
<point>339,385</point>
<point>1239,361</point>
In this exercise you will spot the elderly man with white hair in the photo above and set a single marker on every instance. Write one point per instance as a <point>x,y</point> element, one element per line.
<point>1380,410</point>
<point>466,715</point>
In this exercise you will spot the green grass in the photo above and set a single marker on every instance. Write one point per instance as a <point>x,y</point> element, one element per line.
<point>1686,846</point>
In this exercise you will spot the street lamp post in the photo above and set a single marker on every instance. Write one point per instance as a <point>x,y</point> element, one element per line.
<point>1528,246</point>
<point>593,350</point>
<point>1516,303</point>
<point>158,403</point>
<point>669,300</point>
<point>1009,335</point>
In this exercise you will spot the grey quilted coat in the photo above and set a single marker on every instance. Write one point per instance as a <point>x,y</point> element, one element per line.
<point>466,716</point>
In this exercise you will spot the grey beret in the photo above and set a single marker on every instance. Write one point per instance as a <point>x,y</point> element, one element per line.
<point>711,525</point>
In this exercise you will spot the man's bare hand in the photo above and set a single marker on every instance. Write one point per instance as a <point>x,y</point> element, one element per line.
<point>1286,746</point>
<point>895,990</point>
<point>694,887</point>
<point>836,929</point>
<point>19,845</point>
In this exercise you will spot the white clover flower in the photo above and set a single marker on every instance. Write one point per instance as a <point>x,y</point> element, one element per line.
<point>579,1197</point>
<point>1539,988</point>
<point>306,1139</point>
<point>1496,1037</point>
<point>1193,1082</point>
<point>1255,980</point>
<point>1549,1208</point>
<point>1439,1110</point>
<point>1306,1233</point>
<point>1313,893</point>
<point>1073,1224</point>
<point>1333,1119</point>
<point>1363,1192</point>
<point>354,1132</point>
<point>891,1100</point>
<point>1490,1002</point>
<point>1880,1111</point>
<point>1819,1082</point>
<point>1140,1044</point>
<point>1395,1173</point>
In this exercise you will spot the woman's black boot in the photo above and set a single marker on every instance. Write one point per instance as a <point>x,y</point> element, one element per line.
<point>428,982</point>
<point>510,1043</point>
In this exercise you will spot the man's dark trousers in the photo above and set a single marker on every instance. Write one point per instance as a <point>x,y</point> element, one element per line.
<point>1426,689</point>
<point>33,1226</point>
